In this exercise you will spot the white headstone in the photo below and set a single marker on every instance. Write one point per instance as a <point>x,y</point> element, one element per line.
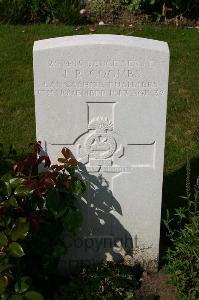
<point>105,98</point>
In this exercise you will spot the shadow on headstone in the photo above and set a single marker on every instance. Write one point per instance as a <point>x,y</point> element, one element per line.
<point>102,236</point>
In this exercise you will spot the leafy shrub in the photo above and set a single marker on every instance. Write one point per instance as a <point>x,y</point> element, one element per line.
<point>162,8</point>
<point>48,11</point>
<point>188,8</point>
<point>105,10</point>
<point>68,11</point>
<point>105,281</point>
<point>7,159</point>
<point>133,5</point>
<point>183,257</point>
<point>34,211</point>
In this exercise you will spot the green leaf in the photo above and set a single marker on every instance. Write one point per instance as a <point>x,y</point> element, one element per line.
<point>130,295</point>
<point>3,284</point>
<point>5,221</point>
<point>16,249</point>
<point>78,186</point>
<point>4,263</point>
<point>63,160</point>
<point>16,297</point>
<point>71,170</point>
<point>12,202</point>
<point>32,295</point>
<point>72,220</point>
<point>5,296</point>
<point>14,182</point>
<point>4,267</point>
<point>7,176</point>
<point>20,230</point>
<point>6,188</point>
<point>55,204</point>
<point>3,239</point>
<point>7,231</point>
<point>22,191</point>
<point>23,285</point>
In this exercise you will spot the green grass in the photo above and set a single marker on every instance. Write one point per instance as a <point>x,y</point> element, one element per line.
<point>16,84</point>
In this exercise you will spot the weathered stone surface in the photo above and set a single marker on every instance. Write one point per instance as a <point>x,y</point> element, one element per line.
<point>105,98</point>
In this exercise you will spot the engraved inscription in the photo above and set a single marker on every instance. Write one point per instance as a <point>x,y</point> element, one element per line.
<point>116,169</point>
<point>134,62</point>
<point>108,78</point>
<point>99,93</point>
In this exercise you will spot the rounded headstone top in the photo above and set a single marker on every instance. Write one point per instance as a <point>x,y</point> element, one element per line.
<point>101,39</point>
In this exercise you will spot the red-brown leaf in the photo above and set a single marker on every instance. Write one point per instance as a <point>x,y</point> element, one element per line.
<point>66,152</point>
<point>18,168</point>
<point>73,162</point>
<point>45,160</point>
<point>67,184</point>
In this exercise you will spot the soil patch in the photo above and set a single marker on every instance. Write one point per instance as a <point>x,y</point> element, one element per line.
<point>156,287</point>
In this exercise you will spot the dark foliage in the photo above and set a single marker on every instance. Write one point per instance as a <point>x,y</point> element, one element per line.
<point>35,209</point>
<point>40,11</point>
